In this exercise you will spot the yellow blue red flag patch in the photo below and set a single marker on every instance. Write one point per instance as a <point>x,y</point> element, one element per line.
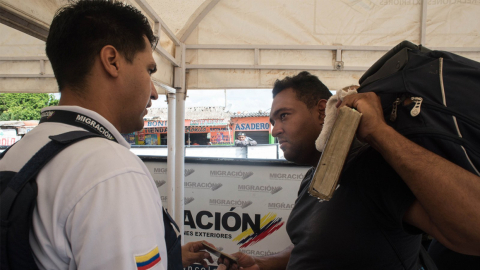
<point>147,261</point>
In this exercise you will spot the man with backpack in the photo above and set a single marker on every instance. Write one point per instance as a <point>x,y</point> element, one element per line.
<point>97,205</point>
<point>389,189</point>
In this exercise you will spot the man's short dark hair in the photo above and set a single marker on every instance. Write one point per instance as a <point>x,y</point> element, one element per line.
<point>308,88</point>
<point>79,32</point>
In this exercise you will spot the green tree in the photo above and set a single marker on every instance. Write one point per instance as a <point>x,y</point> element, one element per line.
<point>24,106</point>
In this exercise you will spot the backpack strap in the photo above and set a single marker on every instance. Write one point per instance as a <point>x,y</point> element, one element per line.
<point>170,219</point>
<point>36,163</point>
<point>173,242</point>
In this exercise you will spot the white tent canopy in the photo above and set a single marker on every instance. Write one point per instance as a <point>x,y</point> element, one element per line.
<point>249,43</point>
<point>224,44</point>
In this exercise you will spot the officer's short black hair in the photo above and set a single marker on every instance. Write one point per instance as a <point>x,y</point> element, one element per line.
<point>80,30</point>
<point>308,88</point>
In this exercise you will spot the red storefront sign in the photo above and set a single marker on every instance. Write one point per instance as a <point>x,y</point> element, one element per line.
<point>251,124</point>
<point>221,131</point>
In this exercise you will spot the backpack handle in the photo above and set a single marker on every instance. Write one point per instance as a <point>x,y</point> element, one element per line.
<point>379,64</point>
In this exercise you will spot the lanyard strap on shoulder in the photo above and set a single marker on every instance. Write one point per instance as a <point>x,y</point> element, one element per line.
<point>78,120</point>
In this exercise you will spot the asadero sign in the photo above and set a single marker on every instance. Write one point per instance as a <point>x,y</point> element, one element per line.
<point>252,126</point>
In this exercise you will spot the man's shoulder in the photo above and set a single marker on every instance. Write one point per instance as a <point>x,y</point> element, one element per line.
<point>90,162</point>
<point>102,151</point>
<point>97,149</point>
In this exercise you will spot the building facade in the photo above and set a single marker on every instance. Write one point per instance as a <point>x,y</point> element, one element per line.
<point>205,126</point>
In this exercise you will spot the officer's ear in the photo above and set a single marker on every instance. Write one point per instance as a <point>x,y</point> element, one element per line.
<point>110,59</point>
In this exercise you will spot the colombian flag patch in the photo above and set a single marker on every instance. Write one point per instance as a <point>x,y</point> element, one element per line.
<point>148,260</point>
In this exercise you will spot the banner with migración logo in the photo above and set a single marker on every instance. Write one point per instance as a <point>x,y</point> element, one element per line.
<point>236,207</point>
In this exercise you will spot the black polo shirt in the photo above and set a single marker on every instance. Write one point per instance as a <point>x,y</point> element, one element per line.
<point>361,226</point>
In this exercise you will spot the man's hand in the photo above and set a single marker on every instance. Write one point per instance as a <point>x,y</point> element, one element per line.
<point>372,121</point>
<point>193,252</point>
<point>277,261</point>
<point>245,262</point>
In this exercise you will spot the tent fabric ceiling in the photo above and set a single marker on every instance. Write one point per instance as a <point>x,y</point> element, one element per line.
<point>356,26</point>
<point>175,13</point>
<point>320,22</point>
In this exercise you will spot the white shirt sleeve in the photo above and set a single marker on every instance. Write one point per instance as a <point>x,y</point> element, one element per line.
<point>118,224</point>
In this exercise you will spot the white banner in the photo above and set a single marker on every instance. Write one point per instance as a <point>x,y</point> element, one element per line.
<point>236,207</point>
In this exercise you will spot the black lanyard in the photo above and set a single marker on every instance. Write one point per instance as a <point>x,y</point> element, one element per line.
<point>78,120</point>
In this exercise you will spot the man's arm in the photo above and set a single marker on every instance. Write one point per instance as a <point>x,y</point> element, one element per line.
<point>251,141</point>
<point>448,196</point>
<point>125,199</point>
<point>240,143</point>
<point>278,261</point>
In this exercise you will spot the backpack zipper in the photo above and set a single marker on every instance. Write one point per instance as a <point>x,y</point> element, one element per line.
<point>434,106</point>
<point>416,109</point>
<point>393,114</point>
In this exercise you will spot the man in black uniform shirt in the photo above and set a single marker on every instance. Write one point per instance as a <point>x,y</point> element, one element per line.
<point>385,191</point>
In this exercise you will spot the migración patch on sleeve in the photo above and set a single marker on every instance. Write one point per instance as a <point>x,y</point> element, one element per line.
<point>148,260</point>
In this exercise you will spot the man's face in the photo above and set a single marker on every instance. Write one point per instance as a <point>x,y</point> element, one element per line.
<point>296,127</point>
<point>241,137</point>
<point>138,90</point>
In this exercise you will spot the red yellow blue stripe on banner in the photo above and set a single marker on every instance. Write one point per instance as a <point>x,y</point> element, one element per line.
<point>268,225</point>
<point>148,260</point>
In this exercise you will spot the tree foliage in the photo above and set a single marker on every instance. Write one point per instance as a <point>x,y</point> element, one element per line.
<point>24,106</point>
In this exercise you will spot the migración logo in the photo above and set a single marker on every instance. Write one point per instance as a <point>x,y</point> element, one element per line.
<point>160,183</point>
<point>189,171</point>
<point>268,225</point>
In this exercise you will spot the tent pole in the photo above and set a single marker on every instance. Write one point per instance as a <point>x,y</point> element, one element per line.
<point>179,84</point>
<point>180,159</point>
<point>171,154</point>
